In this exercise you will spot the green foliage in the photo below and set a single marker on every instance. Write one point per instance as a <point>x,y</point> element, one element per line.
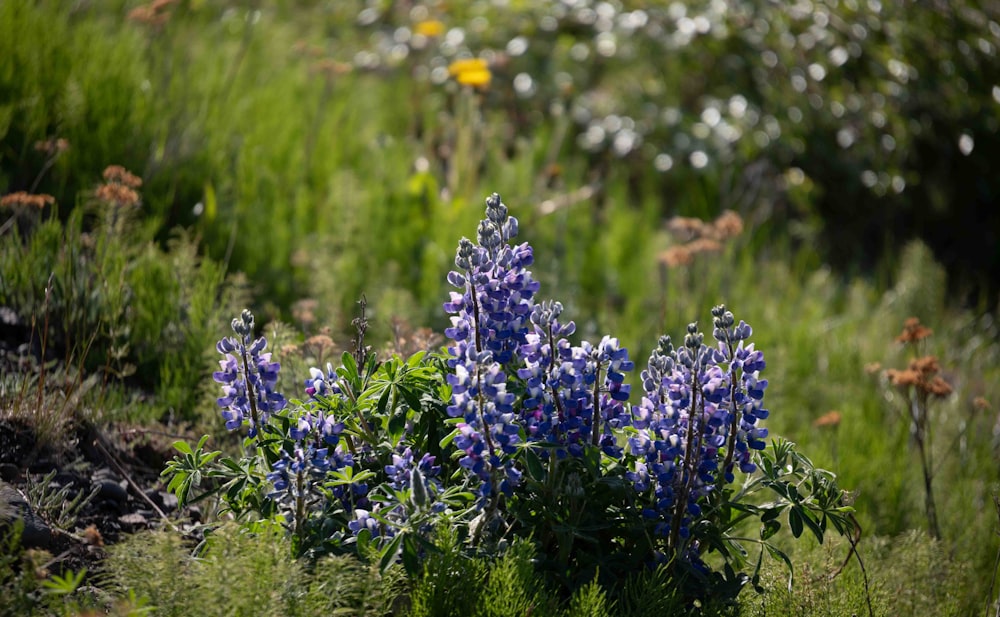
<point>56,506</point>
<point>241,572</point>
<point>18,574</point>
<point>909,573</point>
<point>73,74</point>
<point>107,300</point>
<point>26,585</point>
<point>449,583</point>
<point>187,472</point>
<point>512,586</point>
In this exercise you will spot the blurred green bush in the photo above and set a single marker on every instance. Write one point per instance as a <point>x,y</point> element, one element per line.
<point>304,137</point>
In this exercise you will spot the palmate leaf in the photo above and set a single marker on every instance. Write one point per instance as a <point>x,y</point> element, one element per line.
<point>186,471</point>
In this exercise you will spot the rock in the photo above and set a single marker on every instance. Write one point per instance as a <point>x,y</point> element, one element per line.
<point>169,500</point>
<point>133,521</point>
<point>109,489</point>
<point>9,472</point>
<point>13,508</point>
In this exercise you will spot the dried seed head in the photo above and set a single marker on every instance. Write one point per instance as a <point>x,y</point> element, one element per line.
<point>913,331</point>
<point>117,173</point>
<point>21,199</point>
<point>831,419</point>
<point>676,256</point>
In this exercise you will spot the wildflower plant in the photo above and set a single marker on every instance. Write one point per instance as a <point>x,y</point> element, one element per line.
<point>518,430</point>
<point>920,384</point>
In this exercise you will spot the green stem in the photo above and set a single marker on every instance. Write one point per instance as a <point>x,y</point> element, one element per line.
<point>251,394</point>
<point>300,507</point>
<point>734,423</point>
<point>596,420</point>
<point>690,459</point>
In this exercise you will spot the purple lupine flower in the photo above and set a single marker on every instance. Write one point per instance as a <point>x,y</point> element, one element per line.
<point>329,429</point>
<point>575,394</point>
<point>320,383</point>
<point>489,322</point>
<point>248,378</point>
<point>364,520</point>
<point>696,421</point>
<point>420,478</point>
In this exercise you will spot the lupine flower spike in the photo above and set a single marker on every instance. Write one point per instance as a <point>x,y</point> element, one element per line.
<point>248,378</point>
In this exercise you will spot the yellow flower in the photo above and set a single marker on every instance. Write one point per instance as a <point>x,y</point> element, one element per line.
<point>429,27</point>
<point>471,72</point>
<point>466,65</point>
<point>475,78</point>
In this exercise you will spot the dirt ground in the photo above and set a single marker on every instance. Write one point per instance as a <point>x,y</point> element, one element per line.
<point>87,494</point>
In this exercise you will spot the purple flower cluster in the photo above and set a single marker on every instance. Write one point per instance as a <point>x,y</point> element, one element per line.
<point>316,451</point>
<point>322,383</point>
<point>575,394</point>
<point>420,479</point>
<point>505,344</point>
<point>697,420</point>
<point>489,324</point>
<point>248,378</point>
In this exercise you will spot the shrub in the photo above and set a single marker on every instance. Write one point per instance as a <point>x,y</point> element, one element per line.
<point>517,432</point>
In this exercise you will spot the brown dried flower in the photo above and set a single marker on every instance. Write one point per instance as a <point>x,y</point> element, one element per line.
<point>676,256</point>
<point>117,194</point>
<point>938,387</point>
<point>319,345</point>
<point>728,225</point>
<point>913,331</point>
<point>304,311</point>
<point>92,536</point>
<point>331,68</point>
<point>52,146</point>
<point>902,378</point>
<point>153,14</point>
<point>703,245</point>
<point>686,228</point>
<point>120,175</point>
<point>408,341</point>
<point>831,418</point>
<point>921,373</point>
<point>22,199</point>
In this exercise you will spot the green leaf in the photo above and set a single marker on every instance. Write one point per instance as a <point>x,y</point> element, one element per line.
<point>364,541</point>
<point>65,585</point>
<point>183,447</point>
<point>771,513</point>
<point>769,528</point>
<point>795,521</point>
<point>349,364</point>
<point>412,398</point>
<point>446,441</point>
<point>389,553</point>
<point>778,554</point>
<point>534,464</point>
<point>383,400</point>
<point>807,518</point>
<point>397,424</point>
